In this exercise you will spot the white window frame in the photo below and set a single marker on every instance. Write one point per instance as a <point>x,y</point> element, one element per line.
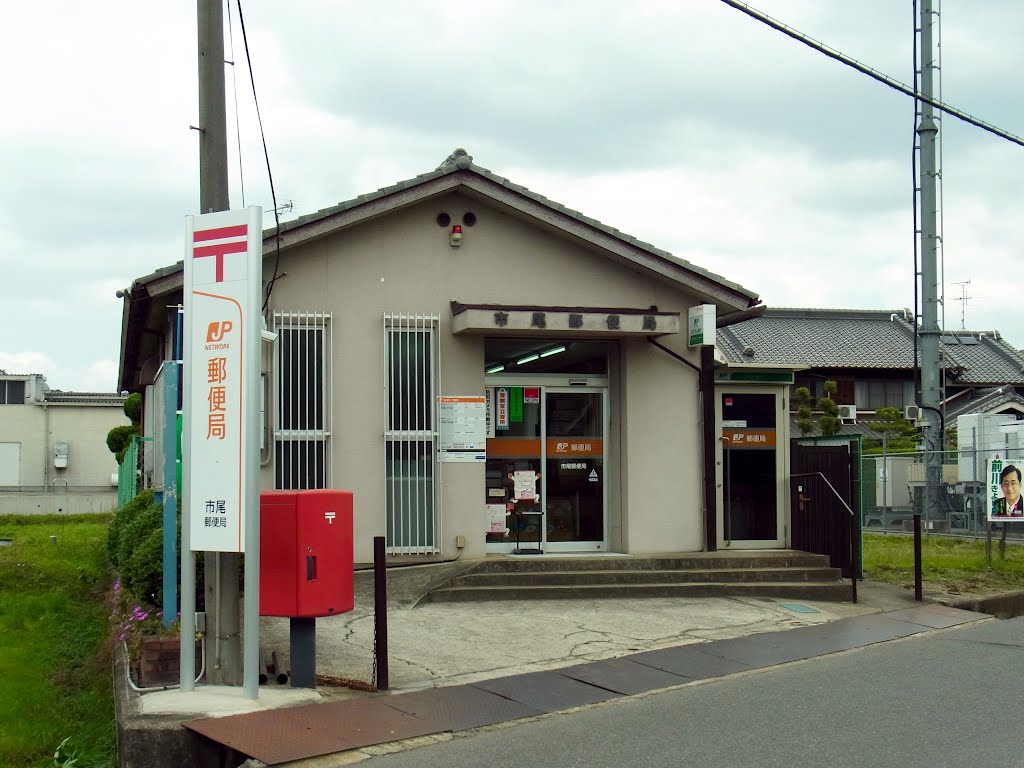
<point>316,439</point>
<point>411,499</point>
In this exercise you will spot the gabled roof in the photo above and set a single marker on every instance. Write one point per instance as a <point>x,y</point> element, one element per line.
<point>459,171</point>
<point>990,400</point>
<point>859,339</point>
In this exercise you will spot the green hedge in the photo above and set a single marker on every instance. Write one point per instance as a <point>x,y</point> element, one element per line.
<point>135,545</point>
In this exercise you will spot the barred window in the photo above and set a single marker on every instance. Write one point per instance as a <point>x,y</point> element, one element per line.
<point>302,400</point>
<point>410,438</point>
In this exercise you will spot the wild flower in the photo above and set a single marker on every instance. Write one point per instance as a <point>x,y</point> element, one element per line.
<point>133,620</point>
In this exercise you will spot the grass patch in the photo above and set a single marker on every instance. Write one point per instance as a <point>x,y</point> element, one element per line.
<point>949,566</point>
<point>54,641</point>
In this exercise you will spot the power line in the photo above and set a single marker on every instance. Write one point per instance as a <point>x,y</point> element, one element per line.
<point>881,77</point>
<point>266,155</point>
<point>234,93</point>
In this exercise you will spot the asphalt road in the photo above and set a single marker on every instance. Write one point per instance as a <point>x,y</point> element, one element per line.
<point>947,698</point>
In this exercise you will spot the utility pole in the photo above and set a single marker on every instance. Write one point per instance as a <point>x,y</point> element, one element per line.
<point>929,331</point>
<point>224,666</point>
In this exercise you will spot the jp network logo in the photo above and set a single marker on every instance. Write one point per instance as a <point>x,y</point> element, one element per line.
<point>218,330</point>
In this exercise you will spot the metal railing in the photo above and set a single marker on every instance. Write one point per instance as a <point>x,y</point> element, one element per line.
<point>131,474</point>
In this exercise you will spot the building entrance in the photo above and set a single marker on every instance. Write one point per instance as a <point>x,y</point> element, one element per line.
<point>750,470</point>
<point>546,461</point>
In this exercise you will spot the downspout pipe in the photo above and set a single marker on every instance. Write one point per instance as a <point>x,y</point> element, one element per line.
<point>707,398</point>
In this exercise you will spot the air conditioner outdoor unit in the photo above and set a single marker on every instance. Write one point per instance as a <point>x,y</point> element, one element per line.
<point>848,412</point>
<point>912,412</point>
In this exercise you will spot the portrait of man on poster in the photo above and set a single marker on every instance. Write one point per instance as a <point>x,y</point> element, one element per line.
<point>1011,505</point>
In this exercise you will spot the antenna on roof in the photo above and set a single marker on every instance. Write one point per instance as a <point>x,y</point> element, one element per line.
<point>962,298</point>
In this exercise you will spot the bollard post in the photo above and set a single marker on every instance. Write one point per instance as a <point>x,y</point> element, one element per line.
<point>380,613</point>
<point>918,595</point>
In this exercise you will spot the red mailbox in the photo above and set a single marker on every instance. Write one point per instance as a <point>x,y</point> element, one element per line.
<point>305,553</point>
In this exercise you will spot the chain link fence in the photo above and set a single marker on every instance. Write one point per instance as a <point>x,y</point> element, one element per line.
<point>956,502</point>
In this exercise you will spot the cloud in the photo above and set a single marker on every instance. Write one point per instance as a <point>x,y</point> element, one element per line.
<point>689,125</point>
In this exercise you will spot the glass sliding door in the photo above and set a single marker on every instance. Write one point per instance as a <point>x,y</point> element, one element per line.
<point>545,471</point>
<point>575,469</point>
<point>514,458</point>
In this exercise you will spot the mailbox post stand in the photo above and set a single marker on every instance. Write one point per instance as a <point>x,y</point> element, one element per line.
<point>302,644</point>
<point>306,567</point>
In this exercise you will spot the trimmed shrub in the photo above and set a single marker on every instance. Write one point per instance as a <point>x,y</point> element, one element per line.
<point>140,553</point>
<point>142,573</point>
<point>119,438</point>
<point>127,513</point>
<point>133,407</point>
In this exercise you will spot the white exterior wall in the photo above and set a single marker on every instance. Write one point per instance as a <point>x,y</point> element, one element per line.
<point>25,426</point>
<point>403,263</point>
<point>662,453</point>
<point>35,429</point>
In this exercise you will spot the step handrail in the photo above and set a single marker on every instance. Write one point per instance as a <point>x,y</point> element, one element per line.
<point>853,566</point>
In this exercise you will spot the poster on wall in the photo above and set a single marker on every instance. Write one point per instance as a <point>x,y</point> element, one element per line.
<point>489,410</point>
<point>496,518</point>
<point>515,405</point>
<point>462,436</point>
<point>501,408</point>
<point>1004,480</point>
<point>524,482</point>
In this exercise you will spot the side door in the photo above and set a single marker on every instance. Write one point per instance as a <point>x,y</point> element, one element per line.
<point>750,470</point>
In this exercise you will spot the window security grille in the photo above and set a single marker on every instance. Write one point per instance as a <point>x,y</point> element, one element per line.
<point>302,400</point>
<point>410,437</point>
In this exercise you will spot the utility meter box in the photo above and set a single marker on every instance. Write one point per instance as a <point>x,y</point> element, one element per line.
<point>306,556</point>
<point>60,455</point>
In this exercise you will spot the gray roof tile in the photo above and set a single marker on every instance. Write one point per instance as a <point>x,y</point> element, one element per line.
<point>879,339</point>
<point>460,160</point>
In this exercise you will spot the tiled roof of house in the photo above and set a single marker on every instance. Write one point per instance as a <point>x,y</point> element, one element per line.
<point>58,396</point>
<point>852,338</point>
<point>461,162</point>
<point>982,358</point>
<point>990,400</point>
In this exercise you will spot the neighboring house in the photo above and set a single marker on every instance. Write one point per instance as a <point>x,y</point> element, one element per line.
<point>460,283</point>
<point>870,356</point>
<point>53,452</point>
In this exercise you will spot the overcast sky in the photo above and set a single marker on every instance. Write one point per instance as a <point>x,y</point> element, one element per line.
<point>682,122</point>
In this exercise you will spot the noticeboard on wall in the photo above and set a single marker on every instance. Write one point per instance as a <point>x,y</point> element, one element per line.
<point>462,433</point>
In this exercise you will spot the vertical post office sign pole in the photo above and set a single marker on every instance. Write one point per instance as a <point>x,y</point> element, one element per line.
<point>222,286</point>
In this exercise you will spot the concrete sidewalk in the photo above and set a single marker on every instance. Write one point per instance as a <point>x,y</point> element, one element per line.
<point>341,731</point>
<point>444,644</point>
<point>441,644</point>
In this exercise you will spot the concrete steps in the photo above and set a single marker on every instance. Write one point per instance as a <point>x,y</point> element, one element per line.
<point>787,575</point>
